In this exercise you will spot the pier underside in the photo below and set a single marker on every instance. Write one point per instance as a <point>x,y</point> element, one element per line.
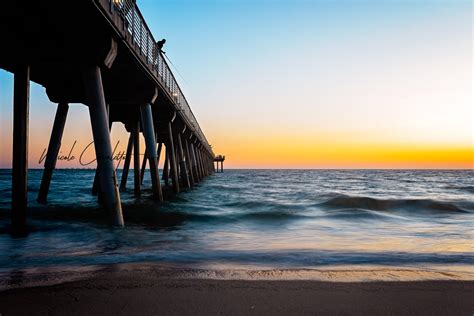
<point>99,53</point>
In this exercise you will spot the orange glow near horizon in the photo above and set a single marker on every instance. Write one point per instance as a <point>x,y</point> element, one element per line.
<point>270,147</point>
<point>285,151</point>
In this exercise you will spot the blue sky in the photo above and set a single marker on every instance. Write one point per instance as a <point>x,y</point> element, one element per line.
<point>368,72</point>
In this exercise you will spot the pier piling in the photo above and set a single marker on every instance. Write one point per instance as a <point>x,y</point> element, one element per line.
<point>182,163</point>
<point>166,168</point>
<point>151,152</point>
<point>100,65</point>
<point>103,147</point>
<point>53,151</point>
<point>198,160</point>
<point>95,184</point>
<point>217,159</point>
<point>172,160</point>
<point>158,152</point>
<point>136,158</point>
<point>126,165</point>
<point>143,168</point>
<point>21,99</point>
<point>188,160</point>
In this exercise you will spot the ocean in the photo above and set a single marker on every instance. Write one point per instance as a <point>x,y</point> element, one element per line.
<point>247,219</point>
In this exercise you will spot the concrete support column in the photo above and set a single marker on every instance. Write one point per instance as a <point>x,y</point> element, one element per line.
<point>95,184</point>
<point>21,100</point>
<point>189,161</point>
<point>201,167</point>
<point>204,162</point>
<point>198,161</point>
<point>182,164</point>
<point>178,159</point>
<point>158,153</point>
<point>126,166</point>
<point>53,151</point>
<point>166,167</point>
<point>197,175</point>
<point>103,147</point>
<point>136,158</point>
<point>209,167</point>
<point>172,159</point>
<point>150,140</point>
<point>142,170</point>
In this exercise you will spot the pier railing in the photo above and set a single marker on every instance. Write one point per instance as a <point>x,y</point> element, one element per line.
<point>146,43</point>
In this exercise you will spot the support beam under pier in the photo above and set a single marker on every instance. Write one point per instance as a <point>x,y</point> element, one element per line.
<point>95,184</point>
<point>142,170</point>
<point>126,166</point>
<point>198,161</point>
<point>136,158</point>
<point>172,160</point>
<point>53,151</point>
<point>21,100</point>
<point>151,153</point>
<point>188,160</point>
<point>103,147</point>
<point>193,162</point>
<point>166,168</point>
<point>182,164</point>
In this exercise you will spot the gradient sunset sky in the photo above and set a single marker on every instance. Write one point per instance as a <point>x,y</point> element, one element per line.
<point>304,84</point>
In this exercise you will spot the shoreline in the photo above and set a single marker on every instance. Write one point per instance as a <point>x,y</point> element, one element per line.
<point>152,289</point>
<point>50,276</point>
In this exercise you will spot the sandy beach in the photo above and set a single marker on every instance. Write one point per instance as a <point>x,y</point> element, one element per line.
<point>156,290</point>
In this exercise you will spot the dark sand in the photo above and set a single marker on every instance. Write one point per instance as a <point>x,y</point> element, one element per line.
<point>154,292</point>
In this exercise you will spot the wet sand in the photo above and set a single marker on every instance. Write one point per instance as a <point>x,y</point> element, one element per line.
<point>172,292</point>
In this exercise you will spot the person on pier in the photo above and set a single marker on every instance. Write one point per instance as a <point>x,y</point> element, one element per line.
<point>158,49</point>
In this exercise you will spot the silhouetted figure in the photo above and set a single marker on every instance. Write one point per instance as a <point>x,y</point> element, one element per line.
<point>158,49</point>
<point>160,45</point>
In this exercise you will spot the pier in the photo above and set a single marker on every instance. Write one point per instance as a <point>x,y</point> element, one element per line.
<point>219,159</point>
<point>102,54</point>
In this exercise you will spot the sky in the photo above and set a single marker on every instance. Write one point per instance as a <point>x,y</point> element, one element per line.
<point>303,84</point>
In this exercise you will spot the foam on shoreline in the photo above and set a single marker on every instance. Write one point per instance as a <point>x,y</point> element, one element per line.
<point>145,271</point>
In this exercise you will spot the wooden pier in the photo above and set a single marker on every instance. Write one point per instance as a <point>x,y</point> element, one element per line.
<point>99,53</point>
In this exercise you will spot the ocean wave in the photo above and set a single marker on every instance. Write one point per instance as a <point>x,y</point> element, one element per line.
<point>360,214</point>
<point>467,188</point>
<point>341,202</point>
<point>272,215</point>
